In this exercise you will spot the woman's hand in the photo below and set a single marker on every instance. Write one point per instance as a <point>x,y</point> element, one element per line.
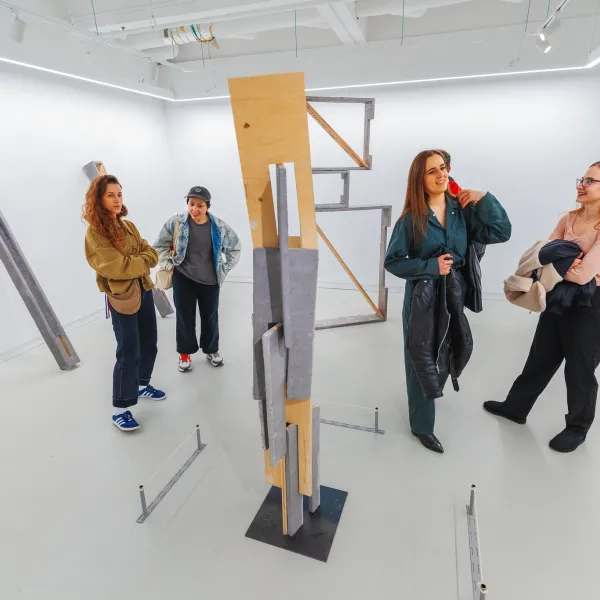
<point>445,263</point>
<point>576,263</point>
<point>467,196</point>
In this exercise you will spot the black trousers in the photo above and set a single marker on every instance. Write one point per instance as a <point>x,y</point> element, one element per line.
<point>573,337</point>
<point>187,294</point>
<point>136,351</point>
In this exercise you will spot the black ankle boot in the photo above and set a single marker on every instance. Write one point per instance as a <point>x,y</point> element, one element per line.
<point>497,408</point>
<point>430,442</point>
<point>567,441</point>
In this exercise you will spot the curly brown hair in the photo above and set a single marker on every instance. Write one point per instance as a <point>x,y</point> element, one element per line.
<point>97,216</point>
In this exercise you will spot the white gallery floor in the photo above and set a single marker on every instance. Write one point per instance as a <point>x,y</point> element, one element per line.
<point>69,500</point>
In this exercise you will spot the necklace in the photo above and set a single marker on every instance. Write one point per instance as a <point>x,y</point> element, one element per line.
<point>588,222</point>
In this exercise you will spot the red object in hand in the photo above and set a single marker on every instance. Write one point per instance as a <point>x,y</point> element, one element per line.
<point>454,188</point>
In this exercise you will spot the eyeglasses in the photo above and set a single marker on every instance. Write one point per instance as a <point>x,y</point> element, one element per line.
<point>585,182</point>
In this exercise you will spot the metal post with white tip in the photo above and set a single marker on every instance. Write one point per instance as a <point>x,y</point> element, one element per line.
<point>479,588</point>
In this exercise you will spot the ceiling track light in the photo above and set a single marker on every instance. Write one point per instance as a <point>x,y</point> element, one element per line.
<point>551,25</point>
<point>543,45</point>
<point>17,30</point>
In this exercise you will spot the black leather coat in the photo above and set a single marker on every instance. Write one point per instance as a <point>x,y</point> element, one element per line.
<point>439,336</point>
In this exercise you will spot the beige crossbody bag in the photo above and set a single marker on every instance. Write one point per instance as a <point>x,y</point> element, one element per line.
<point>164,276</point>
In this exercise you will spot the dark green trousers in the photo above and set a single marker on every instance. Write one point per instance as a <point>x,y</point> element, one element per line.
<point>421,408</point>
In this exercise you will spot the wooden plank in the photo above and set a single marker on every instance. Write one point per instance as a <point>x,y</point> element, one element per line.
<point>299,412</point>
<point>274,475</point>
<point>271,126</point>
<point>349,273</point>
<point>295,242</point>
<point>336,137</point>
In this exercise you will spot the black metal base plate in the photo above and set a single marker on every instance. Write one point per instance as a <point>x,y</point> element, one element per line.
<point>315,537</point>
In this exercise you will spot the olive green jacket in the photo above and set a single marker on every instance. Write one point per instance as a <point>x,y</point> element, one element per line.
<point>118,266</point>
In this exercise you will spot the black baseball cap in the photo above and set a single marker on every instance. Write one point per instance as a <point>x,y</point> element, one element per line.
<point>199,192</point>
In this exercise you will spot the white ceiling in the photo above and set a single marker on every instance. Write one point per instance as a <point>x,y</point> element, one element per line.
<point>335,43</point>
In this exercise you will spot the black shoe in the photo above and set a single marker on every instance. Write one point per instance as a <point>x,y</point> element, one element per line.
<point>567,441</point>
<point>497,408</point>
<point>430,442</point>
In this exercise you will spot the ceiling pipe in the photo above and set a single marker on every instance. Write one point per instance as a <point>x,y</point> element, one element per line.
<point>174,13</point>
<point>86,34</point>
<point>244,29</point>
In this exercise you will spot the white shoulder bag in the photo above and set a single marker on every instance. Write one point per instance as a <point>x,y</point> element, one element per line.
<point>164,276</point>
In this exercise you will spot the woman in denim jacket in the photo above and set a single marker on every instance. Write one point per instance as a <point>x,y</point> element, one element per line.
<point>206,249</point>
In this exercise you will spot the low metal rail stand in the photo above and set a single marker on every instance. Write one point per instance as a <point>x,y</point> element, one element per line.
<point>480,590</point>
<point>148,508</point>
<point>375,429</point>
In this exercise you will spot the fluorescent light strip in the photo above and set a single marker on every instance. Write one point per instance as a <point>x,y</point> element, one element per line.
<point>79,78</point>
<point>201,99</point>
<point>414,81</point>
<point>590,65</point>
<point>438,79</point>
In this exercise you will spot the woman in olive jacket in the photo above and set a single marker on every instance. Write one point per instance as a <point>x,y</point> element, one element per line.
<point>122,260</point>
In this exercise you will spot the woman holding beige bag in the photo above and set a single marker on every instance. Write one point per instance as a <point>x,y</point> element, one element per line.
<point>122,261</point>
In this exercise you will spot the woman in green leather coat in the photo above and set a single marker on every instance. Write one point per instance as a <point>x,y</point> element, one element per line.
<point>429,240</point>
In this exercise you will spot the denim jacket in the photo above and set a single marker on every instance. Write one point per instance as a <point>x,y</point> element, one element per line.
<point>226,244</point>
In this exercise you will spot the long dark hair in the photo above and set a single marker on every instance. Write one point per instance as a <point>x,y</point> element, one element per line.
<point>97,216</point>
<point>416,196</point>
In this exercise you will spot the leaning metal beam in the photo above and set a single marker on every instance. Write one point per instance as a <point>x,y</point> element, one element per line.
<point>34,298</point>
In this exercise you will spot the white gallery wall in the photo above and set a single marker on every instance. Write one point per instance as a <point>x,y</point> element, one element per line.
<point>526,140</point>
<point>49,128</point>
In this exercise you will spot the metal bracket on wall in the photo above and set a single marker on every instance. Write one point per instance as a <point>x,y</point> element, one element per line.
<point>369,115</point>
<point>382,300</point>
<point>34,298</point>
<point>364,164</point>
<point>161,301</point>
<point>345,197</point>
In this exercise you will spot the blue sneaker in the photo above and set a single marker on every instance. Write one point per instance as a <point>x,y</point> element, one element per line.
<point>125,421</point>
<point>151,393</point>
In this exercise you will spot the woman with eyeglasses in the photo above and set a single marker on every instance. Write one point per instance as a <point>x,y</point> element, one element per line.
<point>573,336</point>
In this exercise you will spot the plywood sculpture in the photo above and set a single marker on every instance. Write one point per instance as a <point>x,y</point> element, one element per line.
<point>272,128</point>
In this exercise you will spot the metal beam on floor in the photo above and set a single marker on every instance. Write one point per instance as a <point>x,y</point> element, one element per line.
<point>34,298</point>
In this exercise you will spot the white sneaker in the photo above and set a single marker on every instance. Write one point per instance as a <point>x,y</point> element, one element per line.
<point>185,363</point>
<point>215,359</point>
